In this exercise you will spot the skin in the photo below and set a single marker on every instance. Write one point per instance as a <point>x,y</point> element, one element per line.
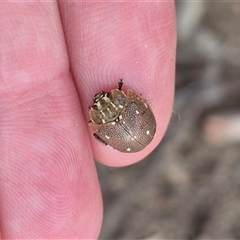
<point>54,57</point>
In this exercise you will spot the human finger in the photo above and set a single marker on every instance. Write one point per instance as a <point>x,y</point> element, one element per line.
<point>48,183</point>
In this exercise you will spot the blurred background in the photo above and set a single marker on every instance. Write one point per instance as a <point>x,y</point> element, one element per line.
<point>189,187</point>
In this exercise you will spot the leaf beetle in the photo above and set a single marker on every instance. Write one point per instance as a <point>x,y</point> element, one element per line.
<point>123,121</point>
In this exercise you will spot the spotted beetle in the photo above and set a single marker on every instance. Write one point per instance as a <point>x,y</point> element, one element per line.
<point>123,121</point>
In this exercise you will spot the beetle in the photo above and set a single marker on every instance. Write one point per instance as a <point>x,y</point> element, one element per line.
<point>122,120</point>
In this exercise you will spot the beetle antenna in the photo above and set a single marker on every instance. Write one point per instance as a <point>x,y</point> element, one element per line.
<point>120,84</point>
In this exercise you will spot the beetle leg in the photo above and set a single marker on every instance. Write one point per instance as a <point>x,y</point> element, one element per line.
<point>120,84</point>
<point>99,139</point>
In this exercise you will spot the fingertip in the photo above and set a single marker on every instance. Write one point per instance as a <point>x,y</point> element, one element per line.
<point>137,45</point>
<point>161,110</point>
<point>154,83</point>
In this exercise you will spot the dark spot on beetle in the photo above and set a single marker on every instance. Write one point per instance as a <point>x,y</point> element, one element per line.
<point>98,96</point>
<point>120,84</point>
<point>143,113</point>
<point>94,107</point>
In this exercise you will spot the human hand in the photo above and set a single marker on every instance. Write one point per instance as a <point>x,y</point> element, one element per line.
<point>54,58</point>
